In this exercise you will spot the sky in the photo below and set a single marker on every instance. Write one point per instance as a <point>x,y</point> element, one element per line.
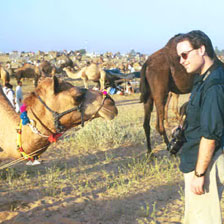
<point>105,25</point>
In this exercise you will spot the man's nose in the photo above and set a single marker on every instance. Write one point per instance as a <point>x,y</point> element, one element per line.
<point>182,61</point>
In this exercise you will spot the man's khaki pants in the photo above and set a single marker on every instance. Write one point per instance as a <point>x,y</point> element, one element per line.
<point>206,208</point>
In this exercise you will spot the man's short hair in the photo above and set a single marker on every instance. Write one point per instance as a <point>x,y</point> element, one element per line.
<point>198,38</point>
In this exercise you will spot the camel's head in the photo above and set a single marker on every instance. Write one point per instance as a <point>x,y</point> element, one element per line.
<point>65,69</point>
<point>74,105</point>
<point>99,104</point>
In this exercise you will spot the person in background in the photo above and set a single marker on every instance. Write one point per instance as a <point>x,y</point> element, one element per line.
<point>9,93</point>
<point>129,89</point>
<point>201,156</point>
<point>131,68</point>
<point>19,96</point>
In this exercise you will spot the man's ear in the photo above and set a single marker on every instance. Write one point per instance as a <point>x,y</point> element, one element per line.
<point>55,84</point>
<point>202,51</point>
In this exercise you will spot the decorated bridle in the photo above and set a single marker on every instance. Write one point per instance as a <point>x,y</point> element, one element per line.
<point>57,116</point>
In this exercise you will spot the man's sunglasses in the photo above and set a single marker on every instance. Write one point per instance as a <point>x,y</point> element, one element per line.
<point>185,54</point>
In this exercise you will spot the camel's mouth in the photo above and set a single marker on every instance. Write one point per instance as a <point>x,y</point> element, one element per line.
<point>108,109</point>
<point>108,113</point>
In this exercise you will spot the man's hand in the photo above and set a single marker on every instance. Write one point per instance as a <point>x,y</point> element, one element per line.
<point>197,184</point>
<point>206,150</point>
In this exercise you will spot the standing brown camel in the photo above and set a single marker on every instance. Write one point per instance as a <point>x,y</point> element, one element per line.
<point>92,72</point>
<point>55,106</point>
<point>28,71</point>
<point>160,74</point>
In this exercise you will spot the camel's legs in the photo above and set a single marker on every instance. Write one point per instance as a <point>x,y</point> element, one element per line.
<point>102,79</point>
<point>98,85</point>
<point>148,107</point>
<point>160,120</point>
<point>36,79</point>
<point>166,109</point>
<point>85,80</point>
<point>175,105</point>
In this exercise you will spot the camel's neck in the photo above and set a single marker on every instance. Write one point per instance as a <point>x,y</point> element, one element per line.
<point>9,121</point>
<point>35,135</point>
<point>74,75</point>
<point>45,127</point>
<point>8,132</point>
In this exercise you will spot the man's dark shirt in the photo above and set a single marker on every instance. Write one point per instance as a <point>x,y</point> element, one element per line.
<point>205,115</point>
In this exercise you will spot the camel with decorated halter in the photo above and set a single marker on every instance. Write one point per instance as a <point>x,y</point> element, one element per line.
<point>54,107</point>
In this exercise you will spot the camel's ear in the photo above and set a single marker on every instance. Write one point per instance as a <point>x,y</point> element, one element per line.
<point>80,96</point>
<point>55,84</point>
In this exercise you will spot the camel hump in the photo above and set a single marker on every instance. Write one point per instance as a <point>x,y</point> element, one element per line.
<point>92,68</point>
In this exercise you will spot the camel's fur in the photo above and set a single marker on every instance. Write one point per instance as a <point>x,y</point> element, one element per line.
<point>59,96</point>
<point>47,69</point>
<point>28,71</point>
<point>174,107</point>
<point>4,75</point>
<point>92,72</point>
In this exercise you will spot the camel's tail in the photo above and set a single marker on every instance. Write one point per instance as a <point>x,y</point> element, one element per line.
<point>144,85</point>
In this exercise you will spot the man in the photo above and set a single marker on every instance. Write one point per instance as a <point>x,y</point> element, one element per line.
<point>19,96</point>
<point>202,159</point>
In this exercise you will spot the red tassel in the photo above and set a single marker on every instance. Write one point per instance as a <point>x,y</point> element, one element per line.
<point>19,131</point>
<point>20,149</point>
<point>54,137</point>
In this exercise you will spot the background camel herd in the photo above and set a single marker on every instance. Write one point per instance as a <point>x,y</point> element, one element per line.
<point>90,67</point>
